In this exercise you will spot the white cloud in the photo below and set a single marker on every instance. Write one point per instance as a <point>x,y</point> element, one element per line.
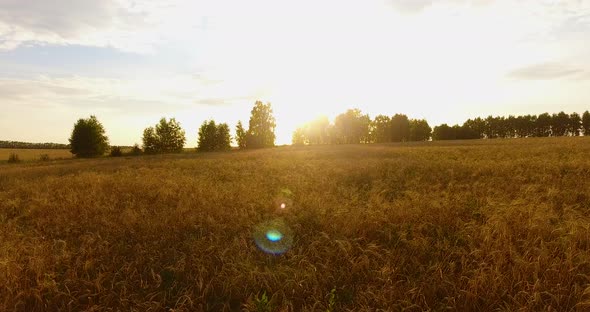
<point>128,25</point>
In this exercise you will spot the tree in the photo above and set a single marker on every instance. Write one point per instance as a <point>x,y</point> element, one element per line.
<point>352,127</point>
<point>559,124</point>
<point>510,126</point>
<point>491,127</point>
<point>213,137</point>
<point>150,141</point>
<point>543,125</point>
<point>400,128</point>
<point>223,137</point>
<point>261,130</point>
<point>381,129</point>
<point>586,123</point>
<point>316,131</point>
<point>88,138</point>
<point>464,133</point>
<point>299,137</point>
<point>419,130</point>
<point>443,132</point>
<point>575,124</point>
<point>240,135</point>
<point>477,126</point>
<point>165,137</point>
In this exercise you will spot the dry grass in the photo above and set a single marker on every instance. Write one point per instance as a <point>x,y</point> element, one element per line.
<point>468,226</point>
<point>34,154</point>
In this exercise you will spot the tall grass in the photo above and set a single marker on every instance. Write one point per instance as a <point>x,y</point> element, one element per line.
<point>472,226</point>
<point>34,154</point>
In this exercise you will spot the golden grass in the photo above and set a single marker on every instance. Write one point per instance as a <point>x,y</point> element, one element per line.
<point>34,154</point>
<point>497,225</point>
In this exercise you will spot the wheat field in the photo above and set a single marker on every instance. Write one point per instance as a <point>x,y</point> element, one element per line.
<point>498,225</point>
<point>34,154</point>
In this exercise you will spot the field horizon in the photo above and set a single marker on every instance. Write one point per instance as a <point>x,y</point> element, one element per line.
<point>472,225</point>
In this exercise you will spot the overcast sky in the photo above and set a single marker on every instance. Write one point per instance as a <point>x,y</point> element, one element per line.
<point>130,62</point>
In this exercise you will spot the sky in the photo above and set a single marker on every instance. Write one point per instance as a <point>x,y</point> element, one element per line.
<point>131,62</point>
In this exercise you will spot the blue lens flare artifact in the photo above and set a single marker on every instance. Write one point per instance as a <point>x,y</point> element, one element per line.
<point>273,237</point>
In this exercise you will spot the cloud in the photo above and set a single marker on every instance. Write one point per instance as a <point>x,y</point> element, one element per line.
<point>226,100</point>
<point>411,6</point>
<point>417,6</point>
<point>547,71</point>
<point>124,24</point>
<point>166,93</point>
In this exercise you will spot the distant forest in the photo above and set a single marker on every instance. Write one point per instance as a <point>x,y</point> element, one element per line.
<point>25,145</point>
<point>353,127</point>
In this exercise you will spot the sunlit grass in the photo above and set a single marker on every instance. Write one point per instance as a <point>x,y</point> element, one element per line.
<point>34,154</point>
<point>467,226</point>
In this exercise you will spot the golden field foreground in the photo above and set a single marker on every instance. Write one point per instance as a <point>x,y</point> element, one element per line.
<point>498,225</point>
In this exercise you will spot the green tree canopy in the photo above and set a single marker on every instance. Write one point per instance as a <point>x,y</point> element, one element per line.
<point>241,135</point>
<point>443,132</point>
<point>352,127</point>
<point>213,137</point>
<point>575,124</point>
<point>400,128</point>
<point>381,129</point>
<point>559,124</point>
<point>543,125</point>
<point>476,126</point>
<point>88,138</point>
<point>586,123</point>
<point>261,130</point>
<point>419,130</point>
<point>166,137</point>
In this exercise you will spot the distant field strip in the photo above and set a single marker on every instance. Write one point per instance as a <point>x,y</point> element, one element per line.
<point>34,154</point>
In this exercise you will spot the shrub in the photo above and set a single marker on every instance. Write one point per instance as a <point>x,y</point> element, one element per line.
<point>116,151</point>
<point>135,151</point>
<point>13,158</point>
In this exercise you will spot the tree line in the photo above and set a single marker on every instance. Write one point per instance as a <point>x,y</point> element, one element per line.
<point>88,138</point>
<point>25,145</point>
<point>543,125</point>
<point>353,127</point>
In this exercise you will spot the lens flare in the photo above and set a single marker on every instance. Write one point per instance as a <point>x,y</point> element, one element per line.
<point>273,237</point>
<point>284,199</point>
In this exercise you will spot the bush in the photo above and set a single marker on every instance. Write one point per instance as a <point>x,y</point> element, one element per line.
<point>13,158</point>
<point>116,151</point>
<point>44,157</point>
<point>135,151</point>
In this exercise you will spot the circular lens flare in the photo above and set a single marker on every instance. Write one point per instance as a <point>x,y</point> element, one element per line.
<point>283,206</point>
<point>273,237</point>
